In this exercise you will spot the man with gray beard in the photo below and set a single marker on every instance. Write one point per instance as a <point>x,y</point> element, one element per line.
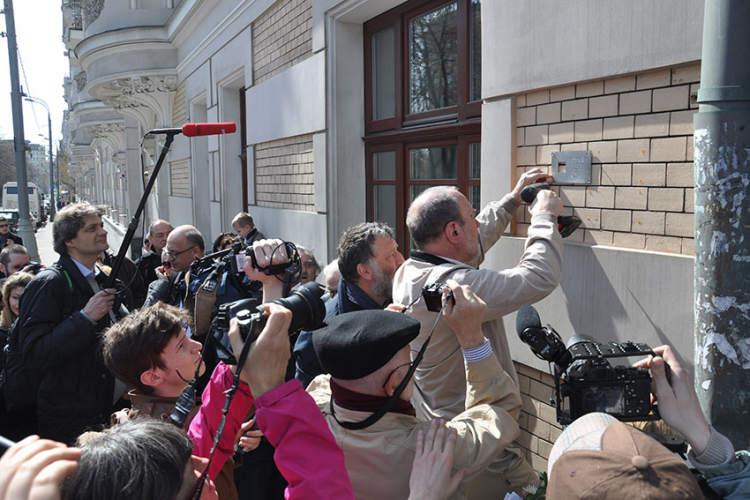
<point>368,258</point>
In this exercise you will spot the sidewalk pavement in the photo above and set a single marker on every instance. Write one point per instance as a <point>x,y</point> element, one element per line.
<point>47,254</point>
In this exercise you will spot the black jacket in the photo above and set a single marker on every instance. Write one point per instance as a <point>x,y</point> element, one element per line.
<point>147,265</point>
<point>10,239</point>
<point>61,352</point>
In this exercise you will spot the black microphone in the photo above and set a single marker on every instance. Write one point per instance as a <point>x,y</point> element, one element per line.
<point>526,319</point>
<point>164,131</point>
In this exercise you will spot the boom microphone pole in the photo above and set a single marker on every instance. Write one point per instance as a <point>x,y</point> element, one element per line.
<point>189,130</point>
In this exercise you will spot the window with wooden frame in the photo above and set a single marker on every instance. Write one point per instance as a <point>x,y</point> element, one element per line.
<point>423,74</point>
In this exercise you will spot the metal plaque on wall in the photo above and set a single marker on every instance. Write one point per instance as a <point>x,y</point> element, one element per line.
<point>571,167</point>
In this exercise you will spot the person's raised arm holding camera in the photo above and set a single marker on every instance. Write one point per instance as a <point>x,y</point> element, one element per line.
<point>680,409</point>
<point>267,252</point>
<point>306,453</point>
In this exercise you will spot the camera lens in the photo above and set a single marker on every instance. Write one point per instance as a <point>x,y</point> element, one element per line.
<point>308,309</point>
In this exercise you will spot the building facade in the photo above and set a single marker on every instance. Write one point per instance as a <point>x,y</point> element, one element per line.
<point>347,109</point>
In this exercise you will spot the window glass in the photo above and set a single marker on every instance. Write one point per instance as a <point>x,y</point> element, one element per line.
<point>383,75</point>
<point>475,160</point>
<point>433,163</point>
<point>475,50</point>
<point>384,204</point>
<point>433,59</point>
<point>474,195</point>
<point>384,166</point>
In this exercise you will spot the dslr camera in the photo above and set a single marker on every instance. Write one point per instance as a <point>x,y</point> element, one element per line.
<point>432,293</point>
<point>305,302</point>
<point>584,376</point>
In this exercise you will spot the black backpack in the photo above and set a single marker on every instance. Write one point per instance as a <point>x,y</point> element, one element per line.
<point>14,379</point>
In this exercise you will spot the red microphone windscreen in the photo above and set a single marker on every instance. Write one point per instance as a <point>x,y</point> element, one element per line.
<point>196,129</point>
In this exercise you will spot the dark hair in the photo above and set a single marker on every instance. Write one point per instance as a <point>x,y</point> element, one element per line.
<point>427,223</point>
<point>69,221</point>
<point>135,344</point>
<point>141,458</point>
<point>195,239</point>
<point>11,250</point>
<point>221,241</point>
<point>355,247</point>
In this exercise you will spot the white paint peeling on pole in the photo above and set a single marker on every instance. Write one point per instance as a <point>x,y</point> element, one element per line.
<point>722,221</point>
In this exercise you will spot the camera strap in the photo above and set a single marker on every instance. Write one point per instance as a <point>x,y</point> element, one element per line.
<point>428,258</point>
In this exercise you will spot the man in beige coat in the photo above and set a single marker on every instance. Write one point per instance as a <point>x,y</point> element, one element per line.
<point>366,398</point>
<point>451,241</point>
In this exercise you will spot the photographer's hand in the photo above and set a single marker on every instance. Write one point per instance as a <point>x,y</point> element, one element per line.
<point>678,402</point>
<point>431,470</point>
<point>531,177</point>
<point>267,252</point>
<point>34,468</point>
<point>466,315</point>
<point>265,368</point>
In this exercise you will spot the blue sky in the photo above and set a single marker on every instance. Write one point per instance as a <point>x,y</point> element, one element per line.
<point>39,37</point>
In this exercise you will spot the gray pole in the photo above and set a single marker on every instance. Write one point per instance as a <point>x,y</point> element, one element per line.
<point>51,167</point>
<point>25,230</point>
<point>722,221</point>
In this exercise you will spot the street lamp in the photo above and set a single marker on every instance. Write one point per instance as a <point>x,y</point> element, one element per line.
<point>51,167</point>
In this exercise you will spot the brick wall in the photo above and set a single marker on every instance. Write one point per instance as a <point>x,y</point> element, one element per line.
<point>538,422</point>
<point>179,178</point>
<point>639,130</point>
<point>284,175</point>
<point>282,37</point>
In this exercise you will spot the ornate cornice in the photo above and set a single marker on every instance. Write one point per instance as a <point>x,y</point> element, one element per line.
<point>92,10</point>
<point>145,84</point>
<point>101,130</point>
<point>80,79</point>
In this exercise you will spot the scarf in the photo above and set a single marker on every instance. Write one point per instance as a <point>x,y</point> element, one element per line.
<point>364,402</point>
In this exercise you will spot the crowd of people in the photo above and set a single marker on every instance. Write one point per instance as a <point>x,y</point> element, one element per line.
<point>384,399</point>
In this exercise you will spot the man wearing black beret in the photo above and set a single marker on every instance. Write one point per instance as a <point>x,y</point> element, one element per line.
<point>366,397</point>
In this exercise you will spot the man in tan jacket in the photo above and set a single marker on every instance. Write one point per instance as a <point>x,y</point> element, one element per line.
<point>451,241</point>
<point>366,398</point>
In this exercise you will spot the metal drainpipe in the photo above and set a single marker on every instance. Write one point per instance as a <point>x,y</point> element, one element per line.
<point>722,221</point>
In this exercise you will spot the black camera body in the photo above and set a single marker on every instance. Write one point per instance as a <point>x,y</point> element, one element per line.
<point>305,302</point>
<point>432,293</point>
<point>585,377</point>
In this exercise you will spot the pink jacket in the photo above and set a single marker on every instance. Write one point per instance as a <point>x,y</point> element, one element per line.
<point>206,422</point>
<point>306,453</point>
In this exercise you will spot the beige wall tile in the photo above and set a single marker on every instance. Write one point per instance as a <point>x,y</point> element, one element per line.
<point>600,197</point>
<point>686,74</point>
<point>665,244</point>
<point>630,240</point>
<point>635,103</point>
<point>666,199</point>
<point>681,122</point>
<point>618,174</point>
<point>562,93</point>
<point>671,98</point>
<point>680,175</point>
<point>575,110</point>
<point>616,220</point>
<point>633,150</point>
<point>525,116</point>
<point>561,132</point>
<point>589,130</point>
<point>669,150</point>
<point>648,222</point>
<point>603,106</point>
<point>631,198</point>
<point>653,125</point>
<point>603,151</point>
<point>617,85</point>
<point>548,113</point>
<point>539,97</point>
<point>680,225</point>
<point>654,79</point>
<point>619,128</point>
<point>536,135</point>
<point>590,89</point>
<point>649,174</point>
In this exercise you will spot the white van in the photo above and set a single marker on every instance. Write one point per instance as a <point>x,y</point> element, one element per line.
<point>36,207</point>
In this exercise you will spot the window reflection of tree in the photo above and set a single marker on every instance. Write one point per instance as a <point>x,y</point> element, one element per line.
<point>433,163</point>
<point>433,59</point>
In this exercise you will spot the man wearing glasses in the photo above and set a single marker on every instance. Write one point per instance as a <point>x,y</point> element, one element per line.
<point>6,237</point>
